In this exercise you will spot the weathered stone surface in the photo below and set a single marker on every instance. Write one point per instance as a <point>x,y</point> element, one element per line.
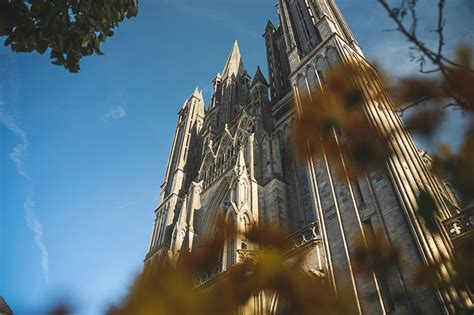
<point>234,161</point>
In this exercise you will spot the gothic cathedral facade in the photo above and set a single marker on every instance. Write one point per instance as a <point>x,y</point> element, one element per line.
<point>233,159</point>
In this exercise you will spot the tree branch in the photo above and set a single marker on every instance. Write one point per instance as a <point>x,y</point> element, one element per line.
<point>440,28</point>
<point>421,100</point>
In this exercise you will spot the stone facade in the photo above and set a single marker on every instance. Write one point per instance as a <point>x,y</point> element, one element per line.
<point>234,160</point>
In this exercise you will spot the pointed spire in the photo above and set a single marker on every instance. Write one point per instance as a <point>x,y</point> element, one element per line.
<point>234,64</point>
<point>259,77</point>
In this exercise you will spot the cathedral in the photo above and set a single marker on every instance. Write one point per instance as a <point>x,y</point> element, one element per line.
<point>232,158</point>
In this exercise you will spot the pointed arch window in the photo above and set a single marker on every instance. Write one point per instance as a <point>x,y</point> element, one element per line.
<point>245,227</point>
<point>301,85</point>
<point>312,79</point>
<point>230,239</point>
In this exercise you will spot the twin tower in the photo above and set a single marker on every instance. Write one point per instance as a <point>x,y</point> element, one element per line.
<point>233,159</point>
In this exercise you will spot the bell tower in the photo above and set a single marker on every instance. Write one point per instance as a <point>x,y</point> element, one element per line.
<point>303,26</point>
<point>180,171</point>
<point>314,37</point>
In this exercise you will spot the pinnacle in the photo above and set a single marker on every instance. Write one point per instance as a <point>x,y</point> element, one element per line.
<point>196,92</point>
<point>259,77</point>
<point>269,25</point>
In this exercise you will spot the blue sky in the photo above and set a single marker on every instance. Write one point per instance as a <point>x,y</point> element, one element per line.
<point>82,155</point>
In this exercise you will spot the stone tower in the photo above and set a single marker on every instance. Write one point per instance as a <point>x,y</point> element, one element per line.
<point>234,160</point>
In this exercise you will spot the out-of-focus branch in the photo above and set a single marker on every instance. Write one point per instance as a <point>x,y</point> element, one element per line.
<point>397,15</point>
<point>435,57</point>
<point>455,74</point>
<point>440,27</point>
<point>422,100</point>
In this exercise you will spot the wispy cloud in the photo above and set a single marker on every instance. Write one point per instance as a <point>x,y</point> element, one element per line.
<point>125,205</point>
<point>35,226</point>
<point>17,156</point>
<point>115,113</point>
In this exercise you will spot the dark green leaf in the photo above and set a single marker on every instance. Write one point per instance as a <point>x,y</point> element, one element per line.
<point>41,46</point>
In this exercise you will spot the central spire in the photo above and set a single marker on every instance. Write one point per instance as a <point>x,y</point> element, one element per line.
<point>234,65</point>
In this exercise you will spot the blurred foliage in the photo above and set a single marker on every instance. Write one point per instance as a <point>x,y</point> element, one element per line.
<point>464,262</point>
<point>71,29</point>
<point>61,309</point>
<point>458,167</point>
<point>428,97</point>
<point>373,253</point>
<point>165,288</point>
<point>332,120</point>
<point>447,83</point>
<point>337,109</point>
<point>427,211</point>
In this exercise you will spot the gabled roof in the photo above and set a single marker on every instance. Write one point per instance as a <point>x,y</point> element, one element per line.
<point>259,77</point>
<point>234,64</point>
